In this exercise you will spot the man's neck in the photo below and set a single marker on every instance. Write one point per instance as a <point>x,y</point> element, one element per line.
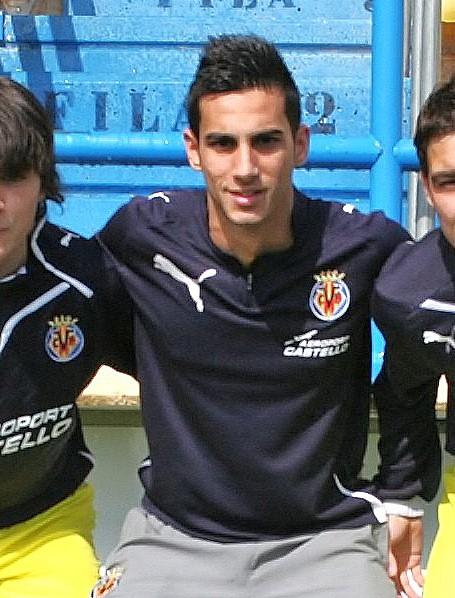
<point>248,242</point>
<point>11,263</point>
<point>8,277</point>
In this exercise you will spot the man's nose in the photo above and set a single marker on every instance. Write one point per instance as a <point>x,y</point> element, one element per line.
<point>246,166</point>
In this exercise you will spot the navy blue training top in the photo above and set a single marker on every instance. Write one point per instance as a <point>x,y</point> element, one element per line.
<point>255,383</point>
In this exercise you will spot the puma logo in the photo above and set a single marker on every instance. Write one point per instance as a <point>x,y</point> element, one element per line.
<point>434,337</point>
<point>194,286</point>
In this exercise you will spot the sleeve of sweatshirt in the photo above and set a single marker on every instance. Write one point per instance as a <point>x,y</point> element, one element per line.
<point>121,244</point>
<point>405,390</point>
<point>113,237</point>
<point>409,449</point>
<point>115,311</point>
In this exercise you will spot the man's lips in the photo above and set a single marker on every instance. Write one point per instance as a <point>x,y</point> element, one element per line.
<point>5,223</point>
<point>246,197</point>
<point>245,192</point>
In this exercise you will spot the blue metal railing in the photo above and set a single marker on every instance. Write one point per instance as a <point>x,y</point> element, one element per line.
<point>167,148</point>
<point>332,151</point>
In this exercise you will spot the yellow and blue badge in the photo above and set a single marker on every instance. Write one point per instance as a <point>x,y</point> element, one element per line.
<point>330,296</point>
<point>109,580</point>
<point>64,339</point>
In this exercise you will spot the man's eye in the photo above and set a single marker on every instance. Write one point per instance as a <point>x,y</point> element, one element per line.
<point>266,141</point>
<point>445,184</point>
<point>222,143</point>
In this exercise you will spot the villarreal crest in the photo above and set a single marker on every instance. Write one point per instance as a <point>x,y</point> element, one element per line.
<point>330,296</point>
<point>109,580</point>
<point>64,340</point>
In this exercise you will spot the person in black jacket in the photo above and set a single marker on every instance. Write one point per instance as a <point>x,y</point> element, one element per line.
<point>414,306</point>
<point>252,335</point>
<point>63,313</point>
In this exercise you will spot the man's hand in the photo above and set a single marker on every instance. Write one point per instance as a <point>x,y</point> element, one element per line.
<point>405,554</point>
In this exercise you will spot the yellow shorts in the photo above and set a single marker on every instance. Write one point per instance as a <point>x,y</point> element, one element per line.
<point>51,555</point>
<point>439,579</point>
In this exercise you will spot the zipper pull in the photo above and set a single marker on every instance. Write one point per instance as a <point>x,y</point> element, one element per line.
<point>249,281</point>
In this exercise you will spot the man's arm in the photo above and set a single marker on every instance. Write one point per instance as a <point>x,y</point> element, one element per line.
<point>405,554</point>
<point>410,457</point>
<point>114,316</point>
<point>409,448</point>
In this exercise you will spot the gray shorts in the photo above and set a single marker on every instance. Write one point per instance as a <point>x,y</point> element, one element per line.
<point>154,560</point>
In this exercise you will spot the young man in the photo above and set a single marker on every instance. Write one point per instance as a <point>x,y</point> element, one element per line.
<point>414,305</point>
<point>61,316</point>
<point>253,348</point>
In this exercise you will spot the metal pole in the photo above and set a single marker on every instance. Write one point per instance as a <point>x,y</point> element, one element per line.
<point>386,105</point>
<point>416,69</point>
<point>426,55</point>
<point>431,56</point>
<point>407,36</point>
<point>406,155</point>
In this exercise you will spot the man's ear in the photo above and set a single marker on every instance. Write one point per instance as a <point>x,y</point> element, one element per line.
<point>426,185</point>
<point>192,149</point>
<point>301,145</point>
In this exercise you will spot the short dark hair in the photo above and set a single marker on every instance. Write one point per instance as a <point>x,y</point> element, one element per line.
<point>26,138</point>
<point>236,62</point>
<point>436,118</point>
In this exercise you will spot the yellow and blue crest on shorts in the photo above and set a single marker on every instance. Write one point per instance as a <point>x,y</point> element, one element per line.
<point>330,296</point>
<point>64,339</point>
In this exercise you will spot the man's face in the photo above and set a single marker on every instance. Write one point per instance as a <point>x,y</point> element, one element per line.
<point>440,182</point>
<point>247,152</point>
<point>18,205</point>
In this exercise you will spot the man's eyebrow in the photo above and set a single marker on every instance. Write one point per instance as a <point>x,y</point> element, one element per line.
<point>442,175</point>
<point>218,134</point>
<point>268,132</point>
<point>215,136</point>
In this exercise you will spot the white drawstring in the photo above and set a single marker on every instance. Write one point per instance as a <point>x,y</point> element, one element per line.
<point>377,506</point>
